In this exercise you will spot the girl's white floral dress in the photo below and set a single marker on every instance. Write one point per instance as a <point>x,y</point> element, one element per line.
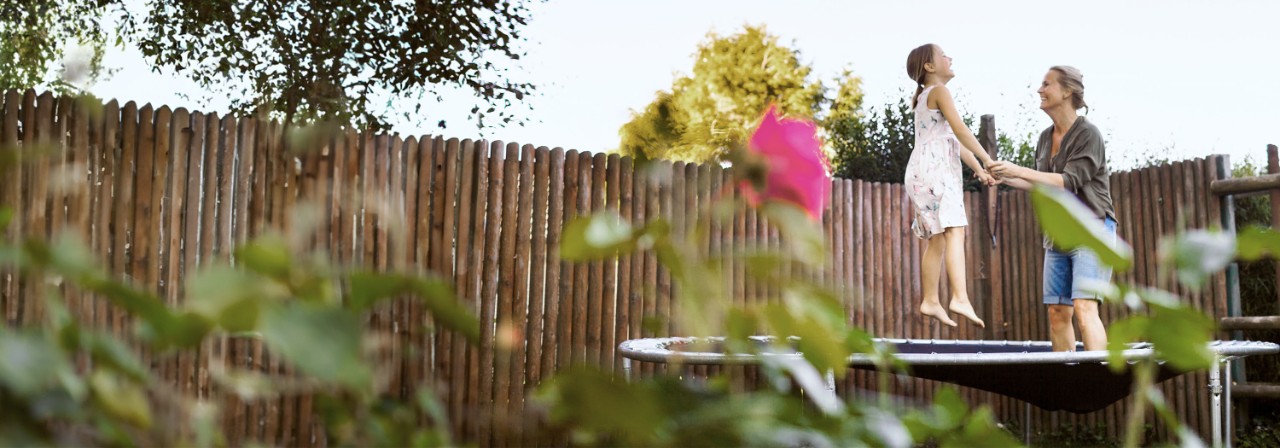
<point>933,179</point>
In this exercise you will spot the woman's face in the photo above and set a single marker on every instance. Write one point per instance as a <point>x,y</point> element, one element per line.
<point>1051,93</point>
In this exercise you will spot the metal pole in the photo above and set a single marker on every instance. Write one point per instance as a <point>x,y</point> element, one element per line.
<point>1215,391</point>
<point>626,369</point>
<point>1227,212</point>
<point>1026,424</point>
<point>1226,391</point>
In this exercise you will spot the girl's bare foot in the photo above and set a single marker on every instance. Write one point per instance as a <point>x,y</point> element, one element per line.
<point>935,311</point>
<point>964,308</point>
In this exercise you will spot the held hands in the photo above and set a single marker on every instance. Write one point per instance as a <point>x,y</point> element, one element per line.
<point>986,178</point>
<point>1001,170</point>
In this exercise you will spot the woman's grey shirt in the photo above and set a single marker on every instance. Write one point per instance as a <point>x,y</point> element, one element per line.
<point>1082,162</point>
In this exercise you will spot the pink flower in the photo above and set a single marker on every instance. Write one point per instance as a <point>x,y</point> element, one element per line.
<point>796,170</point>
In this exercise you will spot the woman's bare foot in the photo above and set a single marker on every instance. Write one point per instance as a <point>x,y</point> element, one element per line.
<point>964,308</point>
<point>935,311</point>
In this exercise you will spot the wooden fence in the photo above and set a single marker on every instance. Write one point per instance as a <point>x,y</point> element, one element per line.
<point>158,193</point>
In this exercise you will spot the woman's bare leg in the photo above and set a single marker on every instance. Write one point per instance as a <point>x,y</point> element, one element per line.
<point>956,275</point>
<point>1092,332</point>
<point>1061,333</point>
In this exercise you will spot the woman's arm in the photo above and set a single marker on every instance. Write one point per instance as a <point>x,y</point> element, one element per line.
<point>942,97</point>
<point>1086,155</point>
<point>1015,182</point>
<point>1016,176</point>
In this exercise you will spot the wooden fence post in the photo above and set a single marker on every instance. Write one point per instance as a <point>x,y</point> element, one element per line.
<point>992,307</point>
<point>1273,167</point>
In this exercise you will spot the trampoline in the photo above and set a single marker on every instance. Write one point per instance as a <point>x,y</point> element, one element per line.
<point>985,365</point>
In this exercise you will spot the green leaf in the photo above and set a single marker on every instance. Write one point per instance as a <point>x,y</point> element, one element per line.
<point>1255,242</point>
<point>596,236</point>
<point>324,343</point>
<point>109,352</point>
<point>949,407</point>
<point>1071,225</point>
<point>158,325</point>
<point>446,309</point>
<point>70,257</point>
<point>1120,334</point>
<point>803,237</point>
<point>981,430</point>
<point>1181,336</point>
<point>821,346</point>
<point>594,400</point>
<point>888,429</point>
<point>740,326</point>
<point>30,363</point>
<point>1196,255</point>
<point>228,296</point>
<point>267,256</point>
<point>369,287</point>
<point>122,399</point>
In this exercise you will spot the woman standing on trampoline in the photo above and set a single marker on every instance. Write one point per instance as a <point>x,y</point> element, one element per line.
<point>933,182</point>
<point>1071,156</point>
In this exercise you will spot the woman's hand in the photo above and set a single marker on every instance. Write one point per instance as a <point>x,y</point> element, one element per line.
<point>1003,169</point>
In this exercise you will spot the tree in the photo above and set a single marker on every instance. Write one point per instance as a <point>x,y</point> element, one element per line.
<point>874,148</point>
<point>734,79</point>
<point>1019,151</point>
<point>34,38</point>
<point>331,60</point>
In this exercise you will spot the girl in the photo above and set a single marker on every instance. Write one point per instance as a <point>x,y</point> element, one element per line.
<point>933,181</point>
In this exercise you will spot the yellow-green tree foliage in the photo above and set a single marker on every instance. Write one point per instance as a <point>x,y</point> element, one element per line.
<point>733,79</point>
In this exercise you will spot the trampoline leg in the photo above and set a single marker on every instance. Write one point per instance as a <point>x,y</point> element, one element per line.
<point>1026,424</point>
<point>1227,432</point>
<point>626,369</point>
<point>831,382</point>
<point>1215,391</point>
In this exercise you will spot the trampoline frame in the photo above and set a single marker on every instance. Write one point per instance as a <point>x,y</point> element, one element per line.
<point>659,350</point>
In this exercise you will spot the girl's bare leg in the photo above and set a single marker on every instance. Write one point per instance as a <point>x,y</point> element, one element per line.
<point>956,274</point>
<point>930,271</point>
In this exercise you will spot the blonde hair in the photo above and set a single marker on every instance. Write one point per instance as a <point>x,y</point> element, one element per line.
<point>915,68</point>
<point>1072,81</point>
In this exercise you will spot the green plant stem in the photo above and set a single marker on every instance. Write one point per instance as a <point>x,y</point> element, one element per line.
<point>1143,373</point>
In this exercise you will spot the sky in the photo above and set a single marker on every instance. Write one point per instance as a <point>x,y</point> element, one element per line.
<point>1173,79</point>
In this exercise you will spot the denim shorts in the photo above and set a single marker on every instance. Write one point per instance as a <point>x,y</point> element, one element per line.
<point>1067,273</point>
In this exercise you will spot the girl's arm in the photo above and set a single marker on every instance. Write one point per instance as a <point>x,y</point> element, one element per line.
<point>941,97</point>
<point>967,158</point>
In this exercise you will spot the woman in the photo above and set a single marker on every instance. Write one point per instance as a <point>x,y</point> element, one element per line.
<point>1071,156</point>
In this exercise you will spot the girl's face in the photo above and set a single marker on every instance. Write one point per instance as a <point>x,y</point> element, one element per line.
<point>942,63</point>
<point>1051,92</point>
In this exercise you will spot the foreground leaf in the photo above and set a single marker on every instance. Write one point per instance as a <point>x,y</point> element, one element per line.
<point>1071,225</point>
<point>596,236</point>
<point>322,342</point>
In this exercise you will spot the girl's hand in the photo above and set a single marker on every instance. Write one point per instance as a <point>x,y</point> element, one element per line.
<point>986,178</point>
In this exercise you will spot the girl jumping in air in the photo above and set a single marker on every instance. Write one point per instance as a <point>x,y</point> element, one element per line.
<point>933,181</point>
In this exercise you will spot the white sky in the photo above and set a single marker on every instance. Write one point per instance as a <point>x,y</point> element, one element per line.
<point>1177,78</point>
